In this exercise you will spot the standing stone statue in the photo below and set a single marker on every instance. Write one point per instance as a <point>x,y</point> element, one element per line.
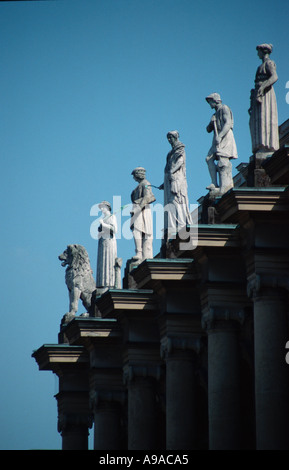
<point>223,147</point>
<point>176,204</point>
<point>107,249</point>
<point>141,217</point>
<point>263,107</point>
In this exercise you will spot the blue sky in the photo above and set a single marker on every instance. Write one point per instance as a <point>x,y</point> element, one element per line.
<point>88,91</point>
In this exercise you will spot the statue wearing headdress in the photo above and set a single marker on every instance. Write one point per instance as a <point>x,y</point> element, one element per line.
<point>223,147</point>
<point>263,107</point>
<point>107,248</point>
<point>141,217</point>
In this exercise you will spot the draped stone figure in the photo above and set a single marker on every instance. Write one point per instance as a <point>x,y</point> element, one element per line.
<point>223,147</point>
<point>263,106</point>
<point>107,248</point>
<point>141,217</point>
<point>176,204</point>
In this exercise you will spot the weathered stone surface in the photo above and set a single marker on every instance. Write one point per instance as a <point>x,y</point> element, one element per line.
<point>263,106</point>
<point>78,278</point>
<point>141,218</point>
<point>176,203</point>
<point>107,248</point>
<point>223,147</point>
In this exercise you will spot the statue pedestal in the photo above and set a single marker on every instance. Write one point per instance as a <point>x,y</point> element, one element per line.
<point>262,155</point>
<point>261,179</point>
<point>128,280</point>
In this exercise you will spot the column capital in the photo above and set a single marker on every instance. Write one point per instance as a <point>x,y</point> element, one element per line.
<point>257,282</point>
<point>220,317</point>
<point>96,398</point>
<point>170,344</point>
<point>131,372</point>
<point>73,410</point>
<point>65,420</point>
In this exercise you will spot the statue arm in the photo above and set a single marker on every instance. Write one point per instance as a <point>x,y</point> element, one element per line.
<point>110,224</point>
<point>227,123</point>
<point>146,198</point>
<point>272,77</point>
<point>210,126</point>
<point>177,165</point>
<point>252,97</point>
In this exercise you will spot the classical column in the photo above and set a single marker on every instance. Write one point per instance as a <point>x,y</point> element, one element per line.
<point>142,408</point>
<point>108,434</point>
<point>74,420</point>
<point>181,426</point>
<point>71,364</point>
<point>271,371</point>
<point>223,378</point>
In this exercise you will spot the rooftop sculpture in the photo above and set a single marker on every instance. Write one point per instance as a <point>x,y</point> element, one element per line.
<point>263,106</point>
<point>78,278</point>
<point>223,147</point>
<point>107,248</point>
<point>141,218</point>
<point>176,204</point>
<point>265,140</point>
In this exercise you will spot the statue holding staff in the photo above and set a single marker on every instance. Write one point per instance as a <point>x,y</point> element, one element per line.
<point>223,147</point>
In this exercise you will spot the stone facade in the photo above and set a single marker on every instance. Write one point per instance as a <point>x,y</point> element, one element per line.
<point>193,356</point>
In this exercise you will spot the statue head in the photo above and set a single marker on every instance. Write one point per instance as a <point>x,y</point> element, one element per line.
<point>173,137</point>
<point>264,49</point>
<point>267,48</point>
<point>213,99</point>
<point>139,173</point>
<point>104,206</point>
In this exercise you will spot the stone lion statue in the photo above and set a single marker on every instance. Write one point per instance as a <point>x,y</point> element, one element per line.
<point>78,278</point>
